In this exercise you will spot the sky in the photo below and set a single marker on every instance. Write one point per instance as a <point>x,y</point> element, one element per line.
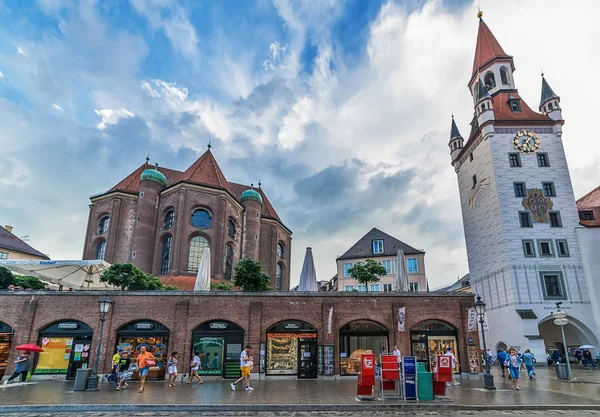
<point>342,109</point>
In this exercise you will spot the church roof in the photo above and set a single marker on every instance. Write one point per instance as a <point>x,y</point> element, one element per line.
<point>267,209</point>
<point>206,171</point>
<point>131,183</point>
<point>364,247</point>
<point>12,242</point>
<point>502,111</point>
<point>547,92</point>
<point>488,48</point>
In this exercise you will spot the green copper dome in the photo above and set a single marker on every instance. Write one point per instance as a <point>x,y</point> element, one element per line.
<point>154,175</point>
<point>251,195</point>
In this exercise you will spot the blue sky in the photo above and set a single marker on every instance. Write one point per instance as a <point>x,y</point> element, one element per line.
<point>341,108</point>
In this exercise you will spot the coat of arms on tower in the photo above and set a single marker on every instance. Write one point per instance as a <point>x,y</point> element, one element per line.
<point>537,204</point>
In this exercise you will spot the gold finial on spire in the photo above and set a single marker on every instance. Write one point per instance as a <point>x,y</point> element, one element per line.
<point>542,72</point>
<point>453,115</point>
<point>479,13</point>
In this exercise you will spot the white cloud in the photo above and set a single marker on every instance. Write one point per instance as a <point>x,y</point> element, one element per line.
<point>21,51</point>
<point>277,52</point>
<point>57,107</point>
<point>1,75</point>
<point>111,117</point>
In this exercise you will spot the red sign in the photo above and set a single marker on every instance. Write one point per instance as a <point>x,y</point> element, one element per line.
<point>445,361</point>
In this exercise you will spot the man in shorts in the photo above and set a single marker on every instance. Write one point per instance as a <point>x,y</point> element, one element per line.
<point>142,359</point>
<point>245,366</point>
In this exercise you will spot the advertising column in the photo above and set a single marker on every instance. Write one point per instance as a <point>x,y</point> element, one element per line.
<point>409,368</point>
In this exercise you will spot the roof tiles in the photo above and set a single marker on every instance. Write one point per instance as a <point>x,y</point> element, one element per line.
<point>12,242</point>
<point>488,48</point>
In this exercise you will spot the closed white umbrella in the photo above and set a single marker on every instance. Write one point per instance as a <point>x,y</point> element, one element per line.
<point>308,277</point>
<point>401,281</point>
<point>203,277</point>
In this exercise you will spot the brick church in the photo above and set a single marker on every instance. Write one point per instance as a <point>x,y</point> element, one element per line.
<point>162,220</point>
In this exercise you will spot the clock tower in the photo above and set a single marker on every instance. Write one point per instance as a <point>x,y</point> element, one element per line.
<point>519,210</point>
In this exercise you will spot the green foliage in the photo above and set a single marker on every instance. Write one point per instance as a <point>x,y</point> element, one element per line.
<point>249,276</point>
<point>130,278</point>
<point>370,271</point>
<point>170,288</point>
<point>220,286</point>
<point>6,278</point>
<point>29,282</point>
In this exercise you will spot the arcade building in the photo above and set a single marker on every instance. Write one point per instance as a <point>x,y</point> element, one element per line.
<point>162,220</point>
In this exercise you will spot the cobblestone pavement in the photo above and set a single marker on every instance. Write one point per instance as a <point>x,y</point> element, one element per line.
<point>479,413</point>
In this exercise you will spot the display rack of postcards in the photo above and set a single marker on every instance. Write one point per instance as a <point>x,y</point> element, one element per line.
<point>320,363</point>
<point>328,360</point>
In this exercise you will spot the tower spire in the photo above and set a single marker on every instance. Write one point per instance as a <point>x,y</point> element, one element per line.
<point>488,48</point>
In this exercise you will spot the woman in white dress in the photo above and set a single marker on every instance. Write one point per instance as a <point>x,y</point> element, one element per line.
<point>172,368</point>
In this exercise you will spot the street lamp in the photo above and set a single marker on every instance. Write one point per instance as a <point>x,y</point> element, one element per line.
<point>488,378</point>
<point>560,319</point>
<point>105,304</point>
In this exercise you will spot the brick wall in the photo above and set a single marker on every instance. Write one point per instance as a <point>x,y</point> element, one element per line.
<point>30,312</point>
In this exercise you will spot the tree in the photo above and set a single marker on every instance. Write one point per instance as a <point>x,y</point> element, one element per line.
<point>249,276</point>
<point>130,277</point>
<point>369,271</point>
<point>29,282</point>
<point>6,278</point>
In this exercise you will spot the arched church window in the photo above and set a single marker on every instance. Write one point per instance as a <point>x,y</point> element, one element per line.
<point>101,250</point>
<point>103,225</point>
<point>197,246</point>
<point>228,262</point>
<point>504,76</point>
<point>201,219</point>
<point>279,277</point>
<point>231,229</point>
<point>165,256</point>
<point>550,106</point>
<point>280,249</point>
<point>489,81</point>
<point>169,220</point>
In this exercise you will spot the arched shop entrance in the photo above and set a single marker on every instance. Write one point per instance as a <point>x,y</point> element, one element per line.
<point>430,338</point>
<point>359,337</point>
<point>219,344</point>
<point>6,338</point>
<point>67,347</point>
<point>151,333</point>
<point>292,349</point>
<point>576,334</point>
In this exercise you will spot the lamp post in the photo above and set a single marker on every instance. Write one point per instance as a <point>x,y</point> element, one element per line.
<point>560,319</point>
<point>488,378</point>
<point>105,304</point>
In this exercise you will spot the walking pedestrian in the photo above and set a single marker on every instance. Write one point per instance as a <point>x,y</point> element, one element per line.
<point>145,360</point>
<point>114,377</point>
<point>490,358</point>
<point>454,363</point>
<point>502,356</point>
<point>172,368</point>
<point>21,368</point>
<point>513,364</point>
<point>397,354</point>
<point>245,366</point>
<point>194,366</point>
<point>556,357</point>
<point>529,361</point>
<point>122,370</point>
<point>587,358</point>
<point>578,356</point>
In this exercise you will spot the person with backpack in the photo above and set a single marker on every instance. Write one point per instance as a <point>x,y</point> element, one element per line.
<point>513,363</point>
<point>529,361</point>
<point>502,356</point>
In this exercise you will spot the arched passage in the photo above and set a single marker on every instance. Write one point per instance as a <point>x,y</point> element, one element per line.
<point>219,344</point>
<point>6,337</point>
<point>576,334</point>
<point>501,346</point>
<point>292,349</point>
<point>358,337</point>
<point>430,338</point>
<point>152,334</point>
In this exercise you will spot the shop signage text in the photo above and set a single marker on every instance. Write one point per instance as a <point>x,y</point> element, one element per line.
<point>218,325</point>
<point>68,326</point>
<point>292,326</point>
<point>144,326</point>
<point>294,335</point>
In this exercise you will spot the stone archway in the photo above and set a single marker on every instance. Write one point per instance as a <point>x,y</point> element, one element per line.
<point>501,346</point>
<point>576,334</point>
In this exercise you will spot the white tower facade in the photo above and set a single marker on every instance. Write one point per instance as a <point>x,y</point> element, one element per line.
<point>519,211</point>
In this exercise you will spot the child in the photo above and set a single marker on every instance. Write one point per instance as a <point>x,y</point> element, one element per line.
<point>172,369</point>
<point>513,363</point>
<point>122,369</point>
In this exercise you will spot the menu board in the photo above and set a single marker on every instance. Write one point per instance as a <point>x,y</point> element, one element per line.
<point>328,360</point>
<point>282,354</point>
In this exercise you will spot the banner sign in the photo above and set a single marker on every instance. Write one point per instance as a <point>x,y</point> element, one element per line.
<point>401,318</point>
<point>330,320</point>
<point>472,320</point>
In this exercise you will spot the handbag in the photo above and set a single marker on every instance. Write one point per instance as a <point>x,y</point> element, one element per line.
<point>150,363</point>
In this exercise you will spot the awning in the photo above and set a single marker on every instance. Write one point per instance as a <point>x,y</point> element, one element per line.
<point>77,275</point>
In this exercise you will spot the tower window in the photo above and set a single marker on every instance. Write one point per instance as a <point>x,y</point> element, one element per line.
<point>586,215</point>
<point>280,250</point>
<point>489,81</point>
<point>103,225</point>
<point>545,248</point>
<point>528,249</point>
<point>525,219</point>
<point>279,277</point>
<point>519,189</point>
<point>563,248</point>
<point>543,160</point>
<point>514,159</point>
<point>231,229</point>
<point>228,262</point>
<point>471,156</point>
<point>555,220</point>
<point>549,106</point>
<point>201,219</point>
<point>503,76</point>
<point>474,181</point>
<point>169,220</point>
<point>101,250</point>
<point>553,285</point>
<point>165,256</point>
<point>515,106</point>
<point>549,190</point>
<point>197,246</point>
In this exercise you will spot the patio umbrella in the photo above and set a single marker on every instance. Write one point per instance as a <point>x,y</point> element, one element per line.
<point>401,278</point>
<point>203,277</point>
<point>29,348</point>
<point>308,277</point>
<point>586,347</point>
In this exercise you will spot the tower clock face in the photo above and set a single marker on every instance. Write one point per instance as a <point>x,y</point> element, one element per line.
<point>526,141</point>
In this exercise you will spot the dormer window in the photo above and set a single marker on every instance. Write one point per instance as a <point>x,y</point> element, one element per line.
<point>504,76</point>
<point>377,247</point>
<point>515,104</point>
<point>489,81</point>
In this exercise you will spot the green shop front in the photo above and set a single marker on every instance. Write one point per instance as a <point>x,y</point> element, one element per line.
<point>219,345</point>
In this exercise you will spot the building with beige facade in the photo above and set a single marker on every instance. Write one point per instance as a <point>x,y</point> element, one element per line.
<point>14,248</point>
<point>382,248</point>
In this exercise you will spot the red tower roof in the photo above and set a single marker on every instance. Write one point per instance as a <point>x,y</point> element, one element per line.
<point>488,48</point>
<point>206,171</point>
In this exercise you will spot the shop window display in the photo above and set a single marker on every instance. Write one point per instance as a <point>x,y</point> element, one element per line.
<point>358,337</point>
<point>211,350</point>
<point>431,338</point>
<point>6,336</point>
<point>282,353</point>
<point>155,345</point>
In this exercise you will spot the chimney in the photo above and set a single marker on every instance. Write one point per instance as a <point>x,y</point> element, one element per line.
<point>9,228</point>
